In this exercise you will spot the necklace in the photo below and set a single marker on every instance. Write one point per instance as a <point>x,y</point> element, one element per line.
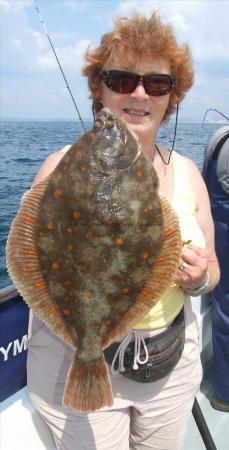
<point>170,154</point>
<point>153,154</point>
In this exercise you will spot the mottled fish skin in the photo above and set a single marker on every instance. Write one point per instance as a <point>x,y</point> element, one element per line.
<point>96,228</point>
<point>99,231</point>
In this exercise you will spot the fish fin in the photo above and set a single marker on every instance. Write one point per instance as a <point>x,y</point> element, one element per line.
<point>88,386</point>
<point>160,277</point>
<point>23,263</point>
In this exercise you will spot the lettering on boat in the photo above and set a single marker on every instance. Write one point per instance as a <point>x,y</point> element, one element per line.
<point>13,348</point>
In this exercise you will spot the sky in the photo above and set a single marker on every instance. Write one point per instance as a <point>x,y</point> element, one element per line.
<point>32,86</point>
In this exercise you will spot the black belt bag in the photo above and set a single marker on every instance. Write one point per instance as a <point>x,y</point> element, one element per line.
<point>164,351</point>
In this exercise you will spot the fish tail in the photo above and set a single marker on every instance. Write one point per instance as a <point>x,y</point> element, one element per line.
<point>88,385</point>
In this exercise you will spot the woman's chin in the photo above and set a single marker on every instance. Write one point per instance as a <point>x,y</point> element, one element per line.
<point>136,128</point>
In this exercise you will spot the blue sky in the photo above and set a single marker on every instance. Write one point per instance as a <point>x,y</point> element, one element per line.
<point>31,82</point>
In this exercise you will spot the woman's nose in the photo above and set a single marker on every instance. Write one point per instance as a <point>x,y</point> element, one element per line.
<point>139,91</point>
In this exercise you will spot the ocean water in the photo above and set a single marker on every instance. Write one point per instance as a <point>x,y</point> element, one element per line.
<point>26,144</point>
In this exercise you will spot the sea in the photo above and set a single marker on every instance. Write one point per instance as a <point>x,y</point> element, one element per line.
<point>26,144</point>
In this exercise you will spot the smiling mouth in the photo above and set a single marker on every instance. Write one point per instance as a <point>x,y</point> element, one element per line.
<point>135,112</point>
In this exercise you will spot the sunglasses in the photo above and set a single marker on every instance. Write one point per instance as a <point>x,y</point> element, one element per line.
<point>126,82</point>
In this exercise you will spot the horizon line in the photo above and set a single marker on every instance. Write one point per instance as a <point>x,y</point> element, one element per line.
<point>88,119</point>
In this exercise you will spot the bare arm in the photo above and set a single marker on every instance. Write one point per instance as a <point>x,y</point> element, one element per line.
<point>48,166</point>
<point>200,261</point>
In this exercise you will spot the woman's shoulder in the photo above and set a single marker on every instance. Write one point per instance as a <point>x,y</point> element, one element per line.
<point>185,163</point>
<point>189,175</point>
<point>50,163</point>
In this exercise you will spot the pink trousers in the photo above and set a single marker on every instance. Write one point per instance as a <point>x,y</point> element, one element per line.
<point>144,416</point>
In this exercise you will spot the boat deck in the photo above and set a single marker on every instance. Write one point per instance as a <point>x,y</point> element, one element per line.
<point>217,421</point>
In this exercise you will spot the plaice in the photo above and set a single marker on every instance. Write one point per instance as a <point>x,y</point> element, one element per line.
<point>92,249</point>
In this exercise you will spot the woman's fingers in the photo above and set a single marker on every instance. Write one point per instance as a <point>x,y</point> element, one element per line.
<point>193,267</point>
<point>194,256</point>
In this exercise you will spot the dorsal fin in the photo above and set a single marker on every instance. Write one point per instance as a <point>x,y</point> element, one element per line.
<point>23,263</point>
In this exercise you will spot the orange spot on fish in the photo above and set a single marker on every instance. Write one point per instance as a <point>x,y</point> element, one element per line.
<point>28,219</point>
<point>66,312</point>
<point>55,266</point>
<point>160,259</point>
<point>168,233</point>
<point>52,309</point>
<point>145,293</point>
<point>88,235</point>
<point>39,284</point>
<point>139,173</point>
<point>107,321</point>
<point>125,290</point>
<point>82,168</point>
<point>70,246</point>
<point>119,241</point>
<point>57,193</point>
<point>144,255</point>
<point>30,253</point>
<point>50,226</point>
<point>69,230</point>
<point>145,210</point>
<point>88,295</point>
<point>76,215</point>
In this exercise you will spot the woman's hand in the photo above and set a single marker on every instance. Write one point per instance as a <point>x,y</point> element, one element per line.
<point>193,268</point>
<point>199,266</point>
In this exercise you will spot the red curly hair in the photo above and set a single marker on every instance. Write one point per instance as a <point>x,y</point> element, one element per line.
<point>140,37</point>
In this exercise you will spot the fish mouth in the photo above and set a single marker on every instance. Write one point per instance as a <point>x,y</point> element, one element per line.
<point>117,156</point>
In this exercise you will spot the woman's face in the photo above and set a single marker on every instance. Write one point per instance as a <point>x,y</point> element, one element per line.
<point>141,112</point>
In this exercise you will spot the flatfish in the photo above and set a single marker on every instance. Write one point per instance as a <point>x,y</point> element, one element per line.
<point>92,249</point>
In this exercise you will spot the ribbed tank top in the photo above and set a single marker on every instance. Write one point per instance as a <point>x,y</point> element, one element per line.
<point>183,202</point>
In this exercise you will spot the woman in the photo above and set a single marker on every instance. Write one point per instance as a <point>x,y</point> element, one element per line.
<point>140,73</point>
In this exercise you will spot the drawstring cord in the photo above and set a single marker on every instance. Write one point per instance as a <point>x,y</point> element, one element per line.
<point>120,352</point>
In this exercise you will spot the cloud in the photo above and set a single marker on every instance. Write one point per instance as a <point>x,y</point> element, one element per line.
<point>4,5</point>
<point>29,63</point>
<point>17,43</point>
<point>210,51</point>
<point>71,57</point>
<point>37,54</point>
<point>3,93</point>
<point>9,5</point>
<point>179,22</point>
<point>79,5</point>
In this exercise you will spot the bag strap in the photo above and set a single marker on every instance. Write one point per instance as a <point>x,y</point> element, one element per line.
<point>219,145</point>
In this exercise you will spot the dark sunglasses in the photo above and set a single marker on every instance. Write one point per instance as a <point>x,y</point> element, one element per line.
<point>126,82</point>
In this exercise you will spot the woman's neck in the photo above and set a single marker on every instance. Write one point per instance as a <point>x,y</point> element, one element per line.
<point>165,173</point>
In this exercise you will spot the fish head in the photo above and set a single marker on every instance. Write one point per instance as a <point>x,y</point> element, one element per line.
<point>115,147</point>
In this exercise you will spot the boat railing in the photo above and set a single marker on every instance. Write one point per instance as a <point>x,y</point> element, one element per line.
<point>7,293</point>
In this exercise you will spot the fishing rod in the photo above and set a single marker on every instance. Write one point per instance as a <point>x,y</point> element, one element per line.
<point>216,110</point>
<point>53,49</point>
